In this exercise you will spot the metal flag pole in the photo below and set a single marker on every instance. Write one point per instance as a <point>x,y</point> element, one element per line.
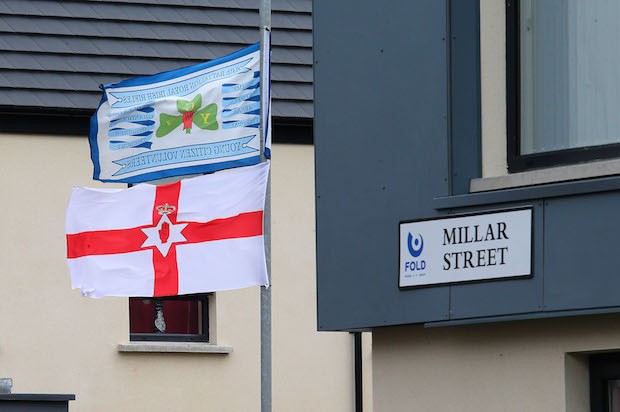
<point>265,292</point>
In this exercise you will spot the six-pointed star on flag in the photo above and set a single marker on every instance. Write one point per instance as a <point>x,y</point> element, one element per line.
<point>163,243</point>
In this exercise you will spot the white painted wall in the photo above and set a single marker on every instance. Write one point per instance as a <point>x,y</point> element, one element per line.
<point>54,341</point>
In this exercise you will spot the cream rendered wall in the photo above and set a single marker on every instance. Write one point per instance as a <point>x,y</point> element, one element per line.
<point>493,87</point>
<point>534,366</point>
<point>313,371</point>
<point>54,341</point>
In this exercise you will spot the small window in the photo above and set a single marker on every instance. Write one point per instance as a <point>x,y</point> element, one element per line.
<point>563,82</point>
<point>605,383</point>
<point>176,318</point>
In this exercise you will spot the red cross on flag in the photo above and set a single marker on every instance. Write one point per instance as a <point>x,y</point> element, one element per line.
<point>198,235</point>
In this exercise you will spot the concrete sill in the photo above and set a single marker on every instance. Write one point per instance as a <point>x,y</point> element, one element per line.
<point>587,170</point>
<point>174,347</point>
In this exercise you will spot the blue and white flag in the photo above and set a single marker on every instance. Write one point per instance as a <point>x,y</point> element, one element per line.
<point>197,119</point>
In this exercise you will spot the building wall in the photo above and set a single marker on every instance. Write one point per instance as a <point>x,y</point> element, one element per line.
<point>530,365</point>
<point>500,364</point>
<point>534,366</point>
<point>52,340</point>
<point>312,371</point>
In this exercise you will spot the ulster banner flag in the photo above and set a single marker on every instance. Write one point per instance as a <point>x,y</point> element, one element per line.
<point>198,235</point>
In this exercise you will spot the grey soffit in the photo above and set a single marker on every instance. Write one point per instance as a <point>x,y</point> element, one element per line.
<point>55,54</point>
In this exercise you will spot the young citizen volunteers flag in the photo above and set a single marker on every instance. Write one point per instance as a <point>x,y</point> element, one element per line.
<point>196,119</point>
<point>198,235</point>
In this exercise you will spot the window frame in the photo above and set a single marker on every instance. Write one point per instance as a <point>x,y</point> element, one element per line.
<point>516,161</point>
<point>603,368</point>
<point>175,337</point>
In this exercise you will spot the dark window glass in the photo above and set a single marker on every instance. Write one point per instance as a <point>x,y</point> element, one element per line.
<point>605,383</point>
<point>179,318</point>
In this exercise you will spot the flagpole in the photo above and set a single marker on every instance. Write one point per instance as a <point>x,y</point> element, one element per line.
<point>265,293</point>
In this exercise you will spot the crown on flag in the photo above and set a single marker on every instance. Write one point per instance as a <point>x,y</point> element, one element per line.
<point>165,209</point>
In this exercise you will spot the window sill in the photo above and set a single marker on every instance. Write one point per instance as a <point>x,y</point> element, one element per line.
<point>557,174</point>
<point>174,347</point>
<point>529,193</point>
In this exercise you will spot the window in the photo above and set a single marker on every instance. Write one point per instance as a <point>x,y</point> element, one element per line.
<point>182,318</point>
<point>563,82</point>
<point>175,318</point>
<point>605,383</point>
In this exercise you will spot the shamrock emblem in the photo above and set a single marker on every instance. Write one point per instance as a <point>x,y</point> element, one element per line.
<point>190,113</point>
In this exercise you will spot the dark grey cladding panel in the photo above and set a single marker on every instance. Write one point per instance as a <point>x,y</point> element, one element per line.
<point>582,263</point>
<point>380,146</point>
<point>68,48</point>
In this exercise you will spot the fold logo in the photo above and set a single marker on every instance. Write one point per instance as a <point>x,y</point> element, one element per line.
<point>415,247</point>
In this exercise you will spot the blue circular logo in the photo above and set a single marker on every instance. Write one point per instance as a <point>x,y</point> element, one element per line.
<point>415,246</point>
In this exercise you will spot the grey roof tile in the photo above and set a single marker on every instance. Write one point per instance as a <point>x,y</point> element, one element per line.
<point>4,25</point>
<point>162,13</point>
<point>292,109</point>
<point>22,80</point>
<point>144,31</point>
<point>56,53</point>
<point>25,7</point>
<point>113,11</point>
<point>56,99</point>
<point>80,82</point>
<point>207,51</point>
<point>108,29</point>
<point>163,50</point>
<point>71,63</point>
<point>20,98</point>
<point>304,55</point>
<point>16,42</point>
<point>214,17</point>
<point>165,14</point>
<point>286,55</point>
<point>70,45</point>
<point>299,38</point>
<point>294,38</point>
<point>20,61</point>
<point>287,91</point>
<point>234,18</point>
<point>282,72</point>
<point>5,63</point>
<point>62,9</point>
<point>58,81</point>
<point>73,9</point>
<point>5,100</point>
<point>4,81</point>
<point>289,22</point>
<point>78,27</point>
<point>145,66</point>
<point>276,5</point>
<point>292,5</point>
